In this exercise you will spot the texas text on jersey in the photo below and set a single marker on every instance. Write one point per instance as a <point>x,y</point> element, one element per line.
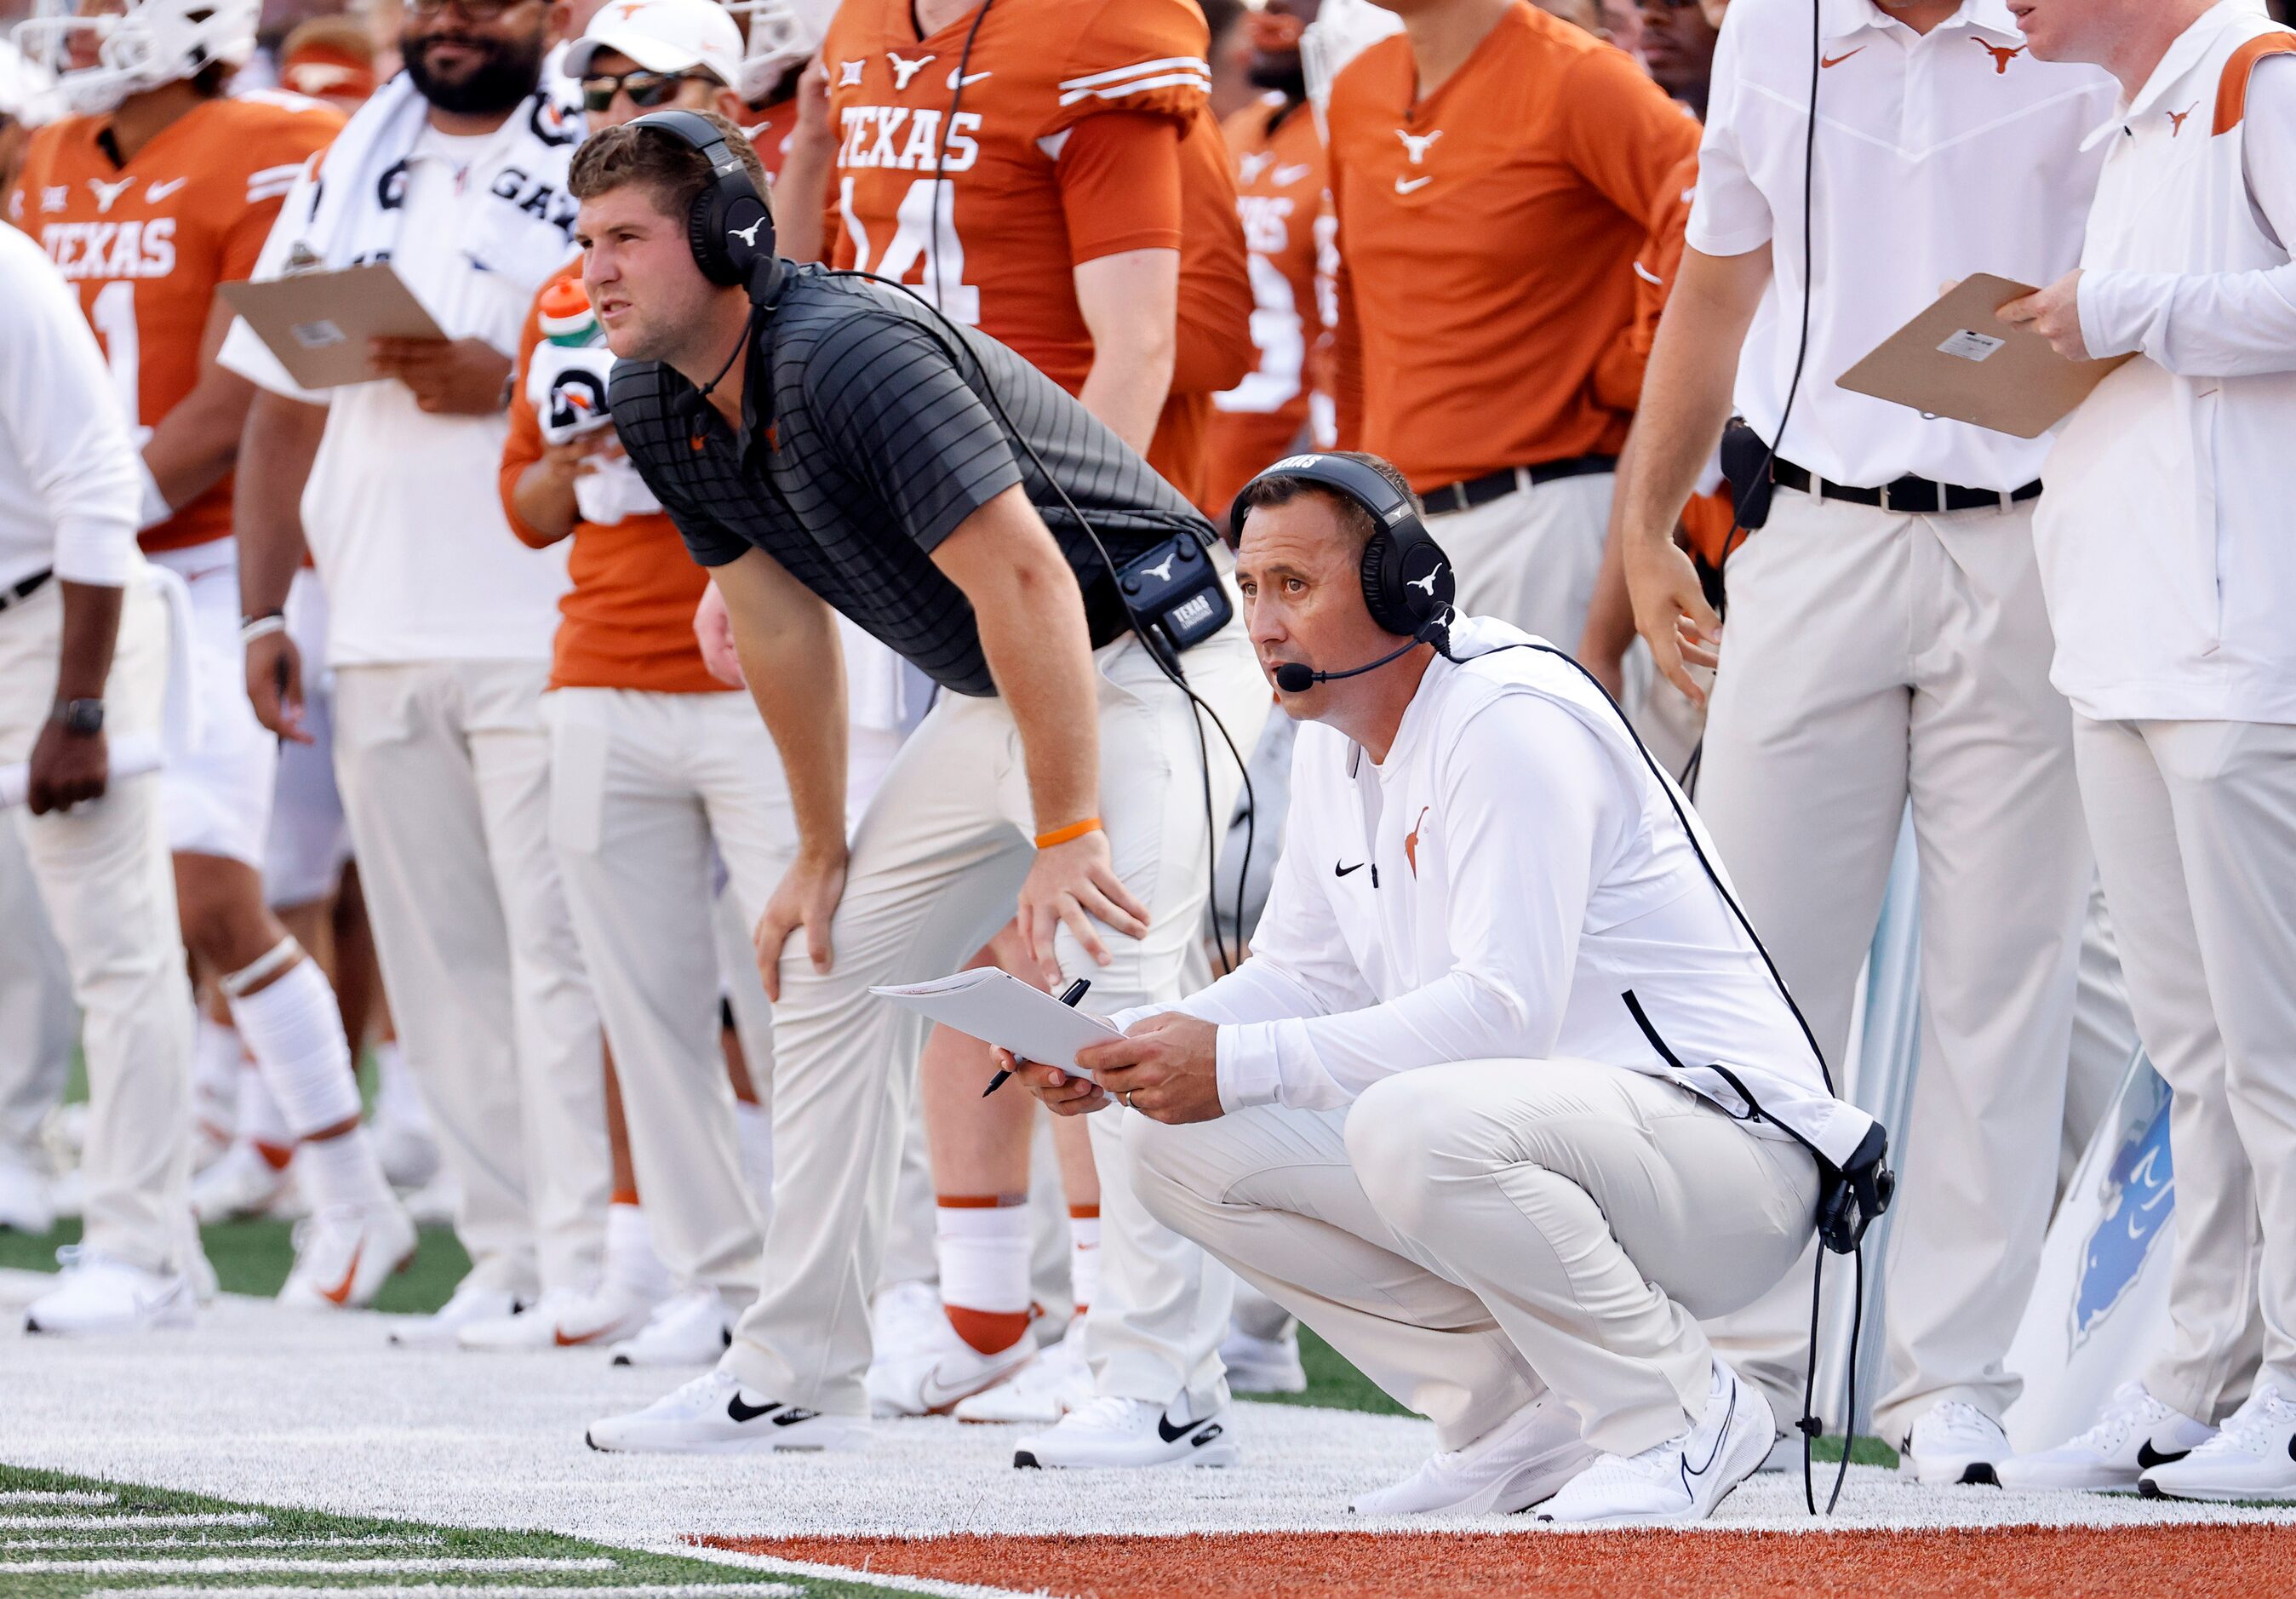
<point>146,243</point>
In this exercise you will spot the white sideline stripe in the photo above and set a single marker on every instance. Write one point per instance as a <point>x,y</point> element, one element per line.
<point>381,1566</point>
<point>35,1495</point>
<point>853,1574</point>
<point>169,1540</point>
<point>220,1518</point>
<point>680,1590</point>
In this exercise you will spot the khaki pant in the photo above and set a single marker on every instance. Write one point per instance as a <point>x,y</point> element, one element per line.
<point>2195,831</point>
<point>1531,557</point>
<point>648,792</point>
<point>1868,658</point>
<point>1471,1234</point>
<point>37,1021</point>
<point>103,874</point>
<point>444,771</point>
<point>936,864</point>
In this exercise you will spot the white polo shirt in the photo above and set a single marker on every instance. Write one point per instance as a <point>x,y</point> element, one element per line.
<point>1497,888</point>
<point>70,492</point>
<point>403,511</point>
<point>1939,155</point>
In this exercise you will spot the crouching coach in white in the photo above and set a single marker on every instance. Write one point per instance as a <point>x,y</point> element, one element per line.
<point>2170,576</point>
<point>1457,1110</point>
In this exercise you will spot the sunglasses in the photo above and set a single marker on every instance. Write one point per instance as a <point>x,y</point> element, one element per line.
<point>645,89</point>
<point>480,11</point>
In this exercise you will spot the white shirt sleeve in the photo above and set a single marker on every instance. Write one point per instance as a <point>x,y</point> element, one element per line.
<point>242,351</point>
<point>2218,325</point>
<point>1533,811</point>
<point>62,417</point>
<point>1730,215</point>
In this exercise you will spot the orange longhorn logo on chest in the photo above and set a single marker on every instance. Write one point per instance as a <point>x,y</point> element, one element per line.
<point>2176,119</point>
<point>1411,841</point>
<point>2001,57</point>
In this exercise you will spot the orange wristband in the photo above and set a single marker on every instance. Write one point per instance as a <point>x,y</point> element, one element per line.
<point>1061,835</point>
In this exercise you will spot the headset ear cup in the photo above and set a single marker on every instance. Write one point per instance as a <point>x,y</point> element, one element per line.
<point>709,244</point>
<point>1381,584</point>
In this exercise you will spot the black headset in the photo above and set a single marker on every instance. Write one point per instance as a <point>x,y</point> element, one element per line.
<point>731,227</point>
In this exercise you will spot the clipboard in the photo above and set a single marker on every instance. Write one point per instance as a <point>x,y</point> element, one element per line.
<point>317,323</point>
<point>999,1008</point>
<point>1959,360</point>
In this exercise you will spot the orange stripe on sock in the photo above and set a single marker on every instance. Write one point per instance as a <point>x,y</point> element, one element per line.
<point>1084,1212</point>
<point>275,1155</point>
<point>988,1330</point>
<point>980,1201</point>
<point>623,1196</point>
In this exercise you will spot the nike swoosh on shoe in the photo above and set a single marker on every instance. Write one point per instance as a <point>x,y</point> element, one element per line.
<point>2147,1456</point>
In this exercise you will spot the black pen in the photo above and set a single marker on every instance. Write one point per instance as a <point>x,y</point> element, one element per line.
<point>1074,992</point>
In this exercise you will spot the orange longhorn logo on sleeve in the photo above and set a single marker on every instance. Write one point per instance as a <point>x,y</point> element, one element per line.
<point>2001,57</point>
<point>1411,841</point>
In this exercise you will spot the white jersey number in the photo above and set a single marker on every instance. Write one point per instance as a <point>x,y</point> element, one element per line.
<point>113,316</point>
<point>925,251</point>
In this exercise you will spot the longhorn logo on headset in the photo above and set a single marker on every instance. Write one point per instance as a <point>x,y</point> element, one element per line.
<point>747,235</point>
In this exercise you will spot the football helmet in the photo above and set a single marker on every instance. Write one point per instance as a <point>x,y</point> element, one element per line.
<point>1342,30</point>
<point>137,45</point>
<point>778,35</point>
<point>28,92</point>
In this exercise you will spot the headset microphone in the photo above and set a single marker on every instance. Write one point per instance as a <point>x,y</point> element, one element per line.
<point>1295,678</point>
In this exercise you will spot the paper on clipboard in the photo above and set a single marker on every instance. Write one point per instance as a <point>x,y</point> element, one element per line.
<point>999,1008</point>
<point>317,323</point>
<point>1958,359</point>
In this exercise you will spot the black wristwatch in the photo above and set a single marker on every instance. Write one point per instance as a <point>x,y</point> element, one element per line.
<point>80,716</point>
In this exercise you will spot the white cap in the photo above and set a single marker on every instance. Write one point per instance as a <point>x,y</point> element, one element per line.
<point>663,35</point>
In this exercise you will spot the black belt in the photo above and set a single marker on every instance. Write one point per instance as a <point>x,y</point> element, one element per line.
<point>1915,495</point>
<point>26,589</point>
<point>1468,493</point>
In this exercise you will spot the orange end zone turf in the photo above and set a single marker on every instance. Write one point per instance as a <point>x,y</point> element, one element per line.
<point>2012,1563</point>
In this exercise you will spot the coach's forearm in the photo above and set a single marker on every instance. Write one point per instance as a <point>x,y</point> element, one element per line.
<point>795,666</point>
<point>1686,393</point>
<point>277,450</point>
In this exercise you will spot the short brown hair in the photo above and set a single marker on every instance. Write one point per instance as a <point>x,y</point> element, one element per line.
<point>1353,517</point>
<point>668,166</point>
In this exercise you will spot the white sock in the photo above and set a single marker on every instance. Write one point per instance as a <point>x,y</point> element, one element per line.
<point>257,1113</point>
<point>342,1171</point>
<point>1084,1258</point>
<point>215,1060</point>
<point>984,1270</point>
<point>631,1264</point>
<point>397,1100</point>
<point>753,1126</point>
<point>295,1033</point>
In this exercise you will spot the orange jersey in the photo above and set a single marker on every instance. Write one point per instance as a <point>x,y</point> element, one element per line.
<point>1486,237</point>
<point>147,242</point>
<point>629,616</point>
<point>1279,187</point>
<point>1082,129</point>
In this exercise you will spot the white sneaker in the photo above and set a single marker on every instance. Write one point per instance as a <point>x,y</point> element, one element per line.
<point>2133,1433</point>
<point>1524,1460</point>
<point>409,1155</point>
<point>563,1319</point>
<point>1785,1453</point>
<point>903,1319</point>
<point>472,1301</point>
<point>99,1294</point>
<point>1056,1382</point>
<point>933,1375</point>
<point>241,1182</point>
<point>1264,1365</point>
<point>713,1415</point>
<point>345,1253</point>
<point>2252,1457</point>
<point>1682,1479</point>
<point>1953,1442</point>
<point>693,1328</point>
<point>1110,1430</point>
<point>25,1206</point>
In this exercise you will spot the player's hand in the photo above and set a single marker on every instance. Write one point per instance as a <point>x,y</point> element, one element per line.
<point>713,630</point>
<point>1167,1068</point>
<point>1071,885</point>
<point>67,768</point>
<point>274,685</point>
<point>449,377</point>
<point>813,102</point>
<point>1671,613</point>
<point>1060,1092</point>
<point>583,454</point>
<point>2054,314</point>
<point>806,898</point>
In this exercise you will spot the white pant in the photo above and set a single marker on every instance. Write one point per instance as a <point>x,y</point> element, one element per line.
<point>444,773</point>
<point>648,792</point>
<point>37,1020</point>
<point>936,864</point>
<point>1868,657</point>
<point>1531,557</point>
<point>1470,1234</point>
<point>309,842</point>
<point>2195,831</point>
<point>104,876</point>
<point>218,795</point>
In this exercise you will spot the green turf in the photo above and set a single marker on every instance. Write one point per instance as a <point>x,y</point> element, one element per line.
<point>402,1540</point>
